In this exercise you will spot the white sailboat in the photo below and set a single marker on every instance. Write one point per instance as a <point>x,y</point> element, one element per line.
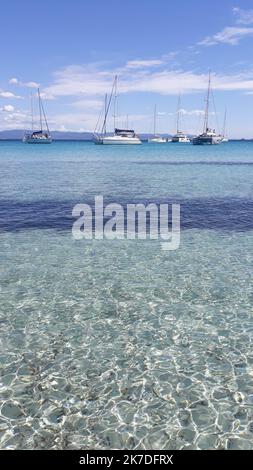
<point>208,135</point>
<point>180,137</point>
<point>223,135</point>
<point>120,136</point>
<point>38,136</point>
<point>156,139</point>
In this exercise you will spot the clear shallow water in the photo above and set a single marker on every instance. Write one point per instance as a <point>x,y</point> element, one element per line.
<point>118,344</point>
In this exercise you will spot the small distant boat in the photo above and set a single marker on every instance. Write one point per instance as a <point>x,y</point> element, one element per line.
<point>156,139</point>
<point>208,135</point>
<point>223,135</point>
<point>120,136</point>
<point>40,136</point>
<point>180,137</point>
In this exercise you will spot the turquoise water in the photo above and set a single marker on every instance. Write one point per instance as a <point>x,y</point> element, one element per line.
<point>118,344</point>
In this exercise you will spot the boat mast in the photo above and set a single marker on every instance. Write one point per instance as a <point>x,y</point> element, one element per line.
<point>224,123</point>
<point>107,106</point>
<point>207,104</point>
<point>44,114</point>
<point>178,111</point>
<point>40,109</point>
<point>155,120</point>
<point>105,113</point>
<point>32,112</point>
<point>115,101</point>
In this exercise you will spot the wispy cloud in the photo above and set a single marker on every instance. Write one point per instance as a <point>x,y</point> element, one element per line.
<point>8,94</point>
<point>14,120</point>
<point>13,81</point>
<point>192,112</point>
<point>88,104</point>
<point>30,84</point>
<point>8,108</point>
<point>137,64</point>
<point>243,16</point>
<point>230,35</point>
<point>87,83</point>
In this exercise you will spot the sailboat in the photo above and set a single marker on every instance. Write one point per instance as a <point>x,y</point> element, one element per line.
<point>38,136</point>
<point>180,137</point>
<point>120,136</point>
<point>208,135</point>
<point>156,139</point>
<point>98,136</point>
<point>223,135</point>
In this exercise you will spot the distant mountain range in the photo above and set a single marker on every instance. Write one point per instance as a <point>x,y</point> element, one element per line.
<point>17,134</point>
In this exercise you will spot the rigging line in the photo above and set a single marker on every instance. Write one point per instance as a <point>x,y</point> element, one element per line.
<point>155,120</point>
<point>32,112</point>
<point>206,119</point>
<point>224,123</point>
<point>40,109</point>
<point>178,111</point>
<point>215,112</point>
<point>44,114</point>
<point>109,103</point>
<point>98,122</point>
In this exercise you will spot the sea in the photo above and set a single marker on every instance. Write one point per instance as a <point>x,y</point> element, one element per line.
<point>119,344</point>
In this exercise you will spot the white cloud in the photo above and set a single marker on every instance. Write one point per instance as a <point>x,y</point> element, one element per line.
<point>13,81</point>
<point>88,104</point>
<point>46,96</point>
<point>8,108</point>
<point>14,120</point>
<point>89,84</point>
<point>192,112</point>
<point>8,94</point>
<point>230,35</point>
<point>136,64</point>
<point>243,16</point>
<point>30,84</point>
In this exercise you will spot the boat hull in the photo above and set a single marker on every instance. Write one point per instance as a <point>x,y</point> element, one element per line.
<point>180,140</point>
<point>157,141</point>
<point>121,141</point>
<point>208,140</point>
<point>37,141</point>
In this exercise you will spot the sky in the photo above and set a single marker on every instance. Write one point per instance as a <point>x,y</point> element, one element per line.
<point>159,49</point>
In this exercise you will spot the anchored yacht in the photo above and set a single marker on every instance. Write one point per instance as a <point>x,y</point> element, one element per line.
<point>39,136</point>
<point>156,139</point>
<point>120,136</point>
<point>208,135</point>
<point>180,137</point>
<point>224,138</point>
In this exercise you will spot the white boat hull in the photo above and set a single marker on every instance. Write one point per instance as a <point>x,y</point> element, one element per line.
<point>37,141</point>
<point>180,140</point>
<point>157,140</point>
<point>117,140</point>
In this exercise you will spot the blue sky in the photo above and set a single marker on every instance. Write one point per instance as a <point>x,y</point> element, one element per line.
<point>158,48</point>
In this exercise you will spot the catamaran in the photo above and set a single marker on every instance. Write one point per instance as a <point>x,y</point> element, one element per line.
<point>156,139</point>
<point>208,135</point>
<point>180,137</point>
<point>120,136</point>
<point>38,136</point>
